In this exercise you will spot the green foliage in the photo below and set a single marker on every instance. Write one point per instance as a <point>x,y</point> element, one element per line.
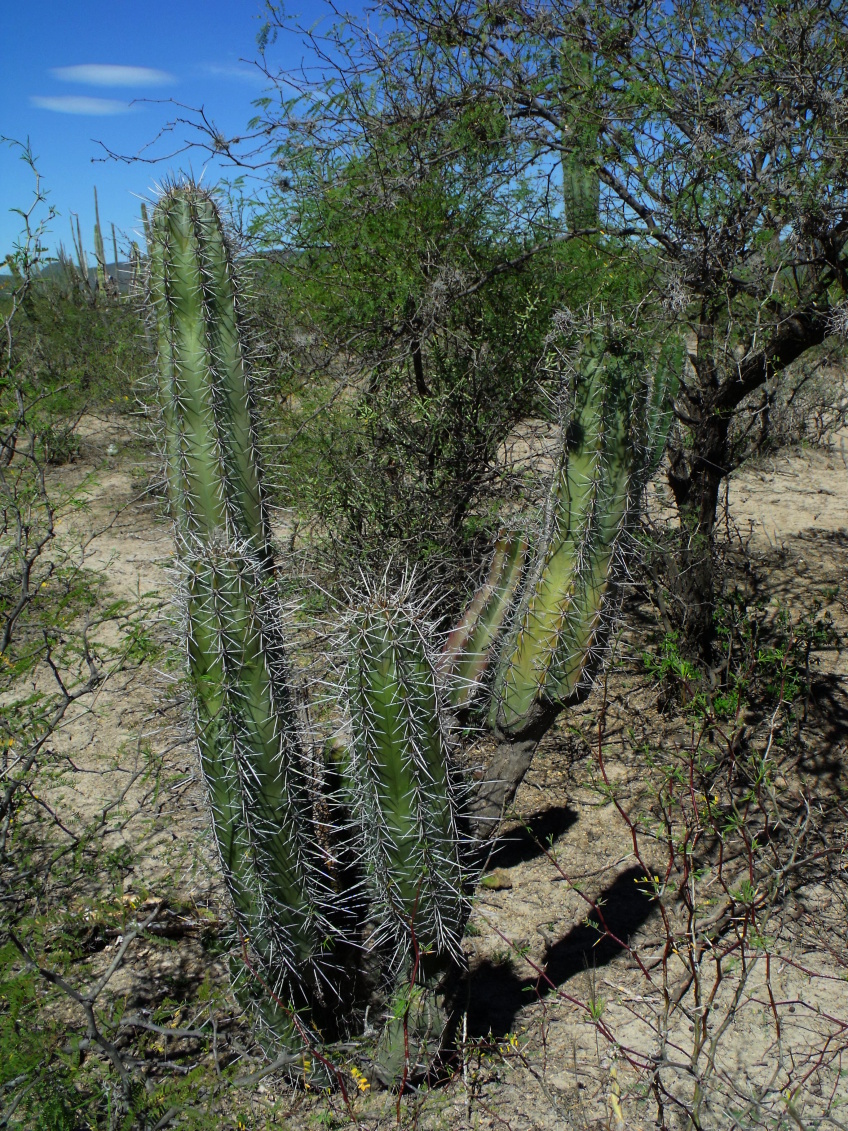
<point>403,355</point>
<point>769,662</point>
<point>34,1069</point>
<point>79,354</point>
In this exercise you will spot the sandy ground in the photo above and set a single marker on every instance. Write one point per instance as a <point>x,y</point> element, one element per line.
<point>533,1055</point>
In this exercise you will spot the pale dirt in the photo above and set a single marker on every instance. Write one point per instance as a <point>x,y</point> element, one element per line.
<point>545,1062</point>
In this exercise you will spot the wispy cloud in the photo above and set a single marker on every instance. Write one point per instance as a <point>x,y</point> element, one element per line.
<point>80,104</point>
<point>251,75</point>
<point>112,74</point>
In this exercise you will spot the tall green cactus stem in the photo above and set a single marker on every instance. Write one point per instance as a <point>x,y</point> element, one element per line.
<point>245,718</point>
<point>559,624</point>
<point>470,647</point>
<point>82,260</point>
<point>657,413</point>
<point>581,184</point>
<point>99,249</point>
<point>247,735</point>
<point>403,801</point>
<point>562,607</point>
<point>208,404</point>
<point>400,780</point>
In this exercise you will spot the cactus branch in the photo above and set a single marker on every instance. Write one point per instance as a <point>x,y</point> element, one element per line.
<point>470,647</point>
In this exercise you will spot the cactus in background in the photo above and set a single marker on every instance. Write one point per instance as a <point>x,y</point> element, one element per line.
<point>145,223</point>
<point>82,261</point>
<point>656,408</point>
<point>581,185</point>
<point>560,615</point>
<point>79,276</point>
<point>520,653</point>
<point>612,440</point>
<point>115,253</point>
<point>99,249</point>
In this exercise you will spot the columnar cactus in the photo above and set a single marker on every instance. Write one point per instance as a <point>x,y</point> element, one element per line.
<point>245,717</point>
<point>99,249</point>
<point>561,610</point>
<point>519,654</point>
<point>581,185</point>
<point>400,778</point>
<point>468,651</point>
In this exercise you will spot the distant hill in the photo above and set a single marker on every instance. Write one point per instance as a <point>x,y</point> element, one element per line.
<point>123,275</point>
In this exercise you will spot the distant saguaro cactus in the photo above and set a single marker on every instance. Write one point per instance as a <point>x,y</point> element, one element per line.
<point>323,938</point>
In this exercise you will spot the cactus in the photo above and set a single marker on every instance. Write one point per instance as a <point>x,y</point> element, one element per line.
<point>213,462</point>
<point>403,800</point>
<point>145,223</point>
<point>245,717</point>
<point>469,648</point>
<point>612,440</point>
<point>323,938</point>
<point>561,610</point>
<point>400,778</point>
<point>115,254</point>
<point>657,414</point>
<point>99,249</point>
<point>581,185</point>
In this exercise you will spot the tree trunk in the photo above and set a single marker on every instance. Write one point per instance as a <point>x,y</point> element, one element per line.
<point>707,403</point>
<point>506,771</point>
<point>695,476</point>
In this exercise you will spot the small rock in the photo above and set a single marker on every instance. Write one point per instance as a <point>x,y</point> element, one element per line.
<point>496,880</point>
<point>112,450</point>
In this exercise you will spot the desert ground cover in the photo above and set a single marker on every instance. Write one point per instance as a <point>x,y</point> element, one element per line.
<point>612,981</point>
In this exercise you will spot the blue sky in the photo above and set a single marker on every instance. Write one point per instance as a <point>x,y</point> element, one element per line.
<point>69,70</point>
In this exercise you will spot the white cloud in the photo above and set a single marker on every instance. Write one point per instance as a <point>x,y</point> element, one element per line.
<point>80,104</point>
<point>112,74</point>
<point>251,75</point>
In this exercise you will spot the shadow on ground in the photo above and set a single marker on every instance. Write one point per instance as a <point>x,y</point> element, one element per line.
<point>496,992</point>
<point>533,838</point>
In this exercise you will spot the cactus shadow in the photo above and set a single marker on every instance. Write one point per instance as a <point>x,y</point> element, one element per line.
<point>530,840</point>
<point>495,992</point>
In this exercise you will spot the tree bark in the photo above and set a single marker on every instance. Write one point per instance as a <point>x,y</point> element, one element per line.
<point>706,407</point>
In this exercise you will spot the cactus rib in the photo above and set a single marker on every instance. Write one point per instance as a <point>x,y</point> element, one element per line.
<point>469,648</point>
